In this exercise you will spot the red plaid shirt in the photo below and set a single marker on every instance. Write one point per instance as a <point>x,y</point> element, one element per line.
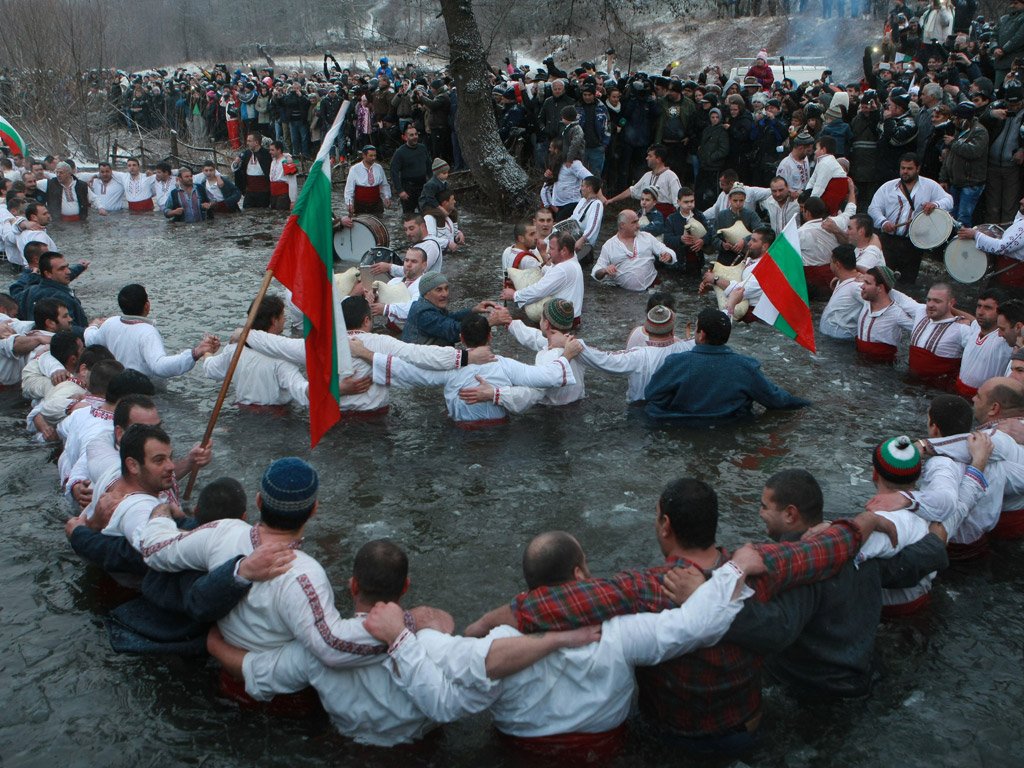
<point>710,691</point>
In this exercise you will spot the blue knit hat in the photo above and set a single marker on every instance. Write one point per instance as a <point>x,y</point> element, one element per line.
<point>289,486</point>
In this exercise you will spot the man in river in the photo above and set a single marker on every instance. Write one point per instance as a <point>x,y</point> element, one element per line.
<point>710,384</point>
<point>708,700</point>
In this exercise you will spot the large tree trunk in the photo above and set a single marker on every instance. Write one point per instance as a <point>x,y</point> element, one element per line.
<point>499,176</point>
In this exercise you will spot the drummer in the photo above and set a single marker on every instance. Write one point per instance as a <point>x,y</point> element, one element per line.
<point>1008,249</point>
<point>895,205</point>
<point>367,189</point>
<point>416,230</point>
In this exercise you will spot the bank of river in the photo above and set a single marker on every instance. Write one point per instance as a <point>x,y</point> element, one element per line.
<point>463,504</point>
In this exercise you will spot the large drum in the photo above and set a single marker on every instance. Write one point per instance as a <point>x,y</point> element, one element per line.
<point>965,262</point>
<point>574,228</point>
<point>366,232</point>
<point>931,230</point>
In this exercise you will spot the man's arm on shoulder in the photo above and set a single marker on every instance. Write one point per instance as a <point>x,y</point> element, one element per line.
<point>804,562</point>
<point>590,601</point>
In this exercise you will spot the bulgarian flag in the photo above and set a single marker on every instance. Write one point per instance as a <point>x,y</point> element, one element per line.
<point>303,262</point>
<point>12,138</point>
<point>780,273</point>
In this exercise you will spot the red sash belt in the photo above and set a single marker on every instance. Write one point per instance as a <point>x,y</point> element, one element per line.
<point>820,276</point>
<point>222,207</point>
<point>1012,277</point>
<point>76,217</point>
<point>357,415</point>
<point>277,411</point>
<point>141,205</point>
<point>257,184</point>
<point>301,704</point>
<point>964,390</point>
<point>575,748</point>
<point>960,553</point>
<point>367,194</point>
<point>907,609</point>
<point>925,363</point>
<point>481,423</point>
<point>278,188</point>
<point>666,209</point>
<point>1010,525</point>
<point>876,350</point>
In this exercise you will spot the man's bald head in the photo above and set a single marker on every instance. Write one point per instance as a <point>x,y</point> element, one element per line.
<point>998,398</point>
<point>553,558</point>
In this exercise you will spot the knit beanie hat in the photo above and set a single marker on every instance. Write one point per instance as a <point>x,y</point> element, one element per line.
<point>439,164</point>
<point>763,55</point>
<point>803,139</point>
<point>833,112</point>
<point>897,460</point>
<point>289,486</point>
<point>660,321</point>
<point>738,189</point>
<point>430,281</point>
<point>888,276</point>
<point>559,313</point>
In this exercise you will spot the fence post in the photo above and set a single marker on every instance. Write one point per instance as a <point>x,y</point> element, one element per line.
<point>174,143</point>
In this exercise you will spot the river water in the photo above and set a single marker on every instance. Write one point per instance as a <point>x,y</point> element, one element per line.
<point>463,504</point>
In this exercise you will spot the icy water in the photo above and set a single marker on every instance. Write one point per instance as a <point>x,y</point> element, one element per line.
<point>463,504</point>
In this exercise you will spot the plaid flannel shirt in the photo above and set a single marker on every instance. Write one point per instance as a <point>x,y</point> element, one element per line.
<point>710,691</point>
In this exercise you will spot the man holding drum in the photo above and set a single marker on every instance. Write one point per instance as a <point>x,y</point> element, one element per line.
<point>1008,249</point>
<point>895,205</point>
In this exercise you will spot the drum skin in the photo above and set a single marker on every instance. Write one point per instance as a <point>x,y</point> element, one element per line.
<point>931,230</point>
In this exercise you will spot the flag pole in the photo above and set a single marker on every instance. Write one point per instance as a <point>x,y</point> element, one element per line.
<point>239,346</point>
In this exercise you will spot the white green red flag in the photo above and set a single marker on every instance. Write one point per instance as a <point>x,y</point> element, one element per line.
<point>303,262</point>
<point>780,273</point>
<point>12,138</point>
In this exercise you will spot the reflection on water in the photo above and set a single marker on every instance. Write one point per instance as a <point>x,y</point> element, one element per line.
<point>463,504</point>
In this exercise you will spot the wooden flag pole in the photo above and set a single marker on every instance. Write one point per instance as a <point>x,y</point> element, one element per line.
<point>240,345</point>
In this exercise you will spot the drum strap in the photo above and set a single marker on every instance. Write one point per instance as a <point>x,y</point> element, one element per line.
<point>906,194</point>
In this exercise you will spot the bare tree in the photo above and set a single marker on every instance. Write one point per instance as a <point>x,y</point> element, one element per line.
<point>497,173</point>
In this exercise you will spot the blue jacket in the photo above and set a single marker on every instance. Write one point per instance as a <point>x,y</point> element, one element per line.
<point>600,121</point>
<point>27,279</point>
<point>51,289</point>
<point>428,324</point>
<point>712,385</point>
<point>657,222</point>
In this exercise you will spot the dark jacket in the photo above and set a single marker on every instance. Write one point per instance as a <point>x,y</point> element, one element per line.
<point>428,324</point>
<point>434,187</point>
<point>550,117</point>
<point>241,177</point>
<point>409,168</point>
<point>899,135</point>
<point>27,279</point>
<point>51,289</point>
<point>712,385</point>
<point>822,635</point>
<point>675,229</point>
<point>714,148</point>
<point>54,190</point>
